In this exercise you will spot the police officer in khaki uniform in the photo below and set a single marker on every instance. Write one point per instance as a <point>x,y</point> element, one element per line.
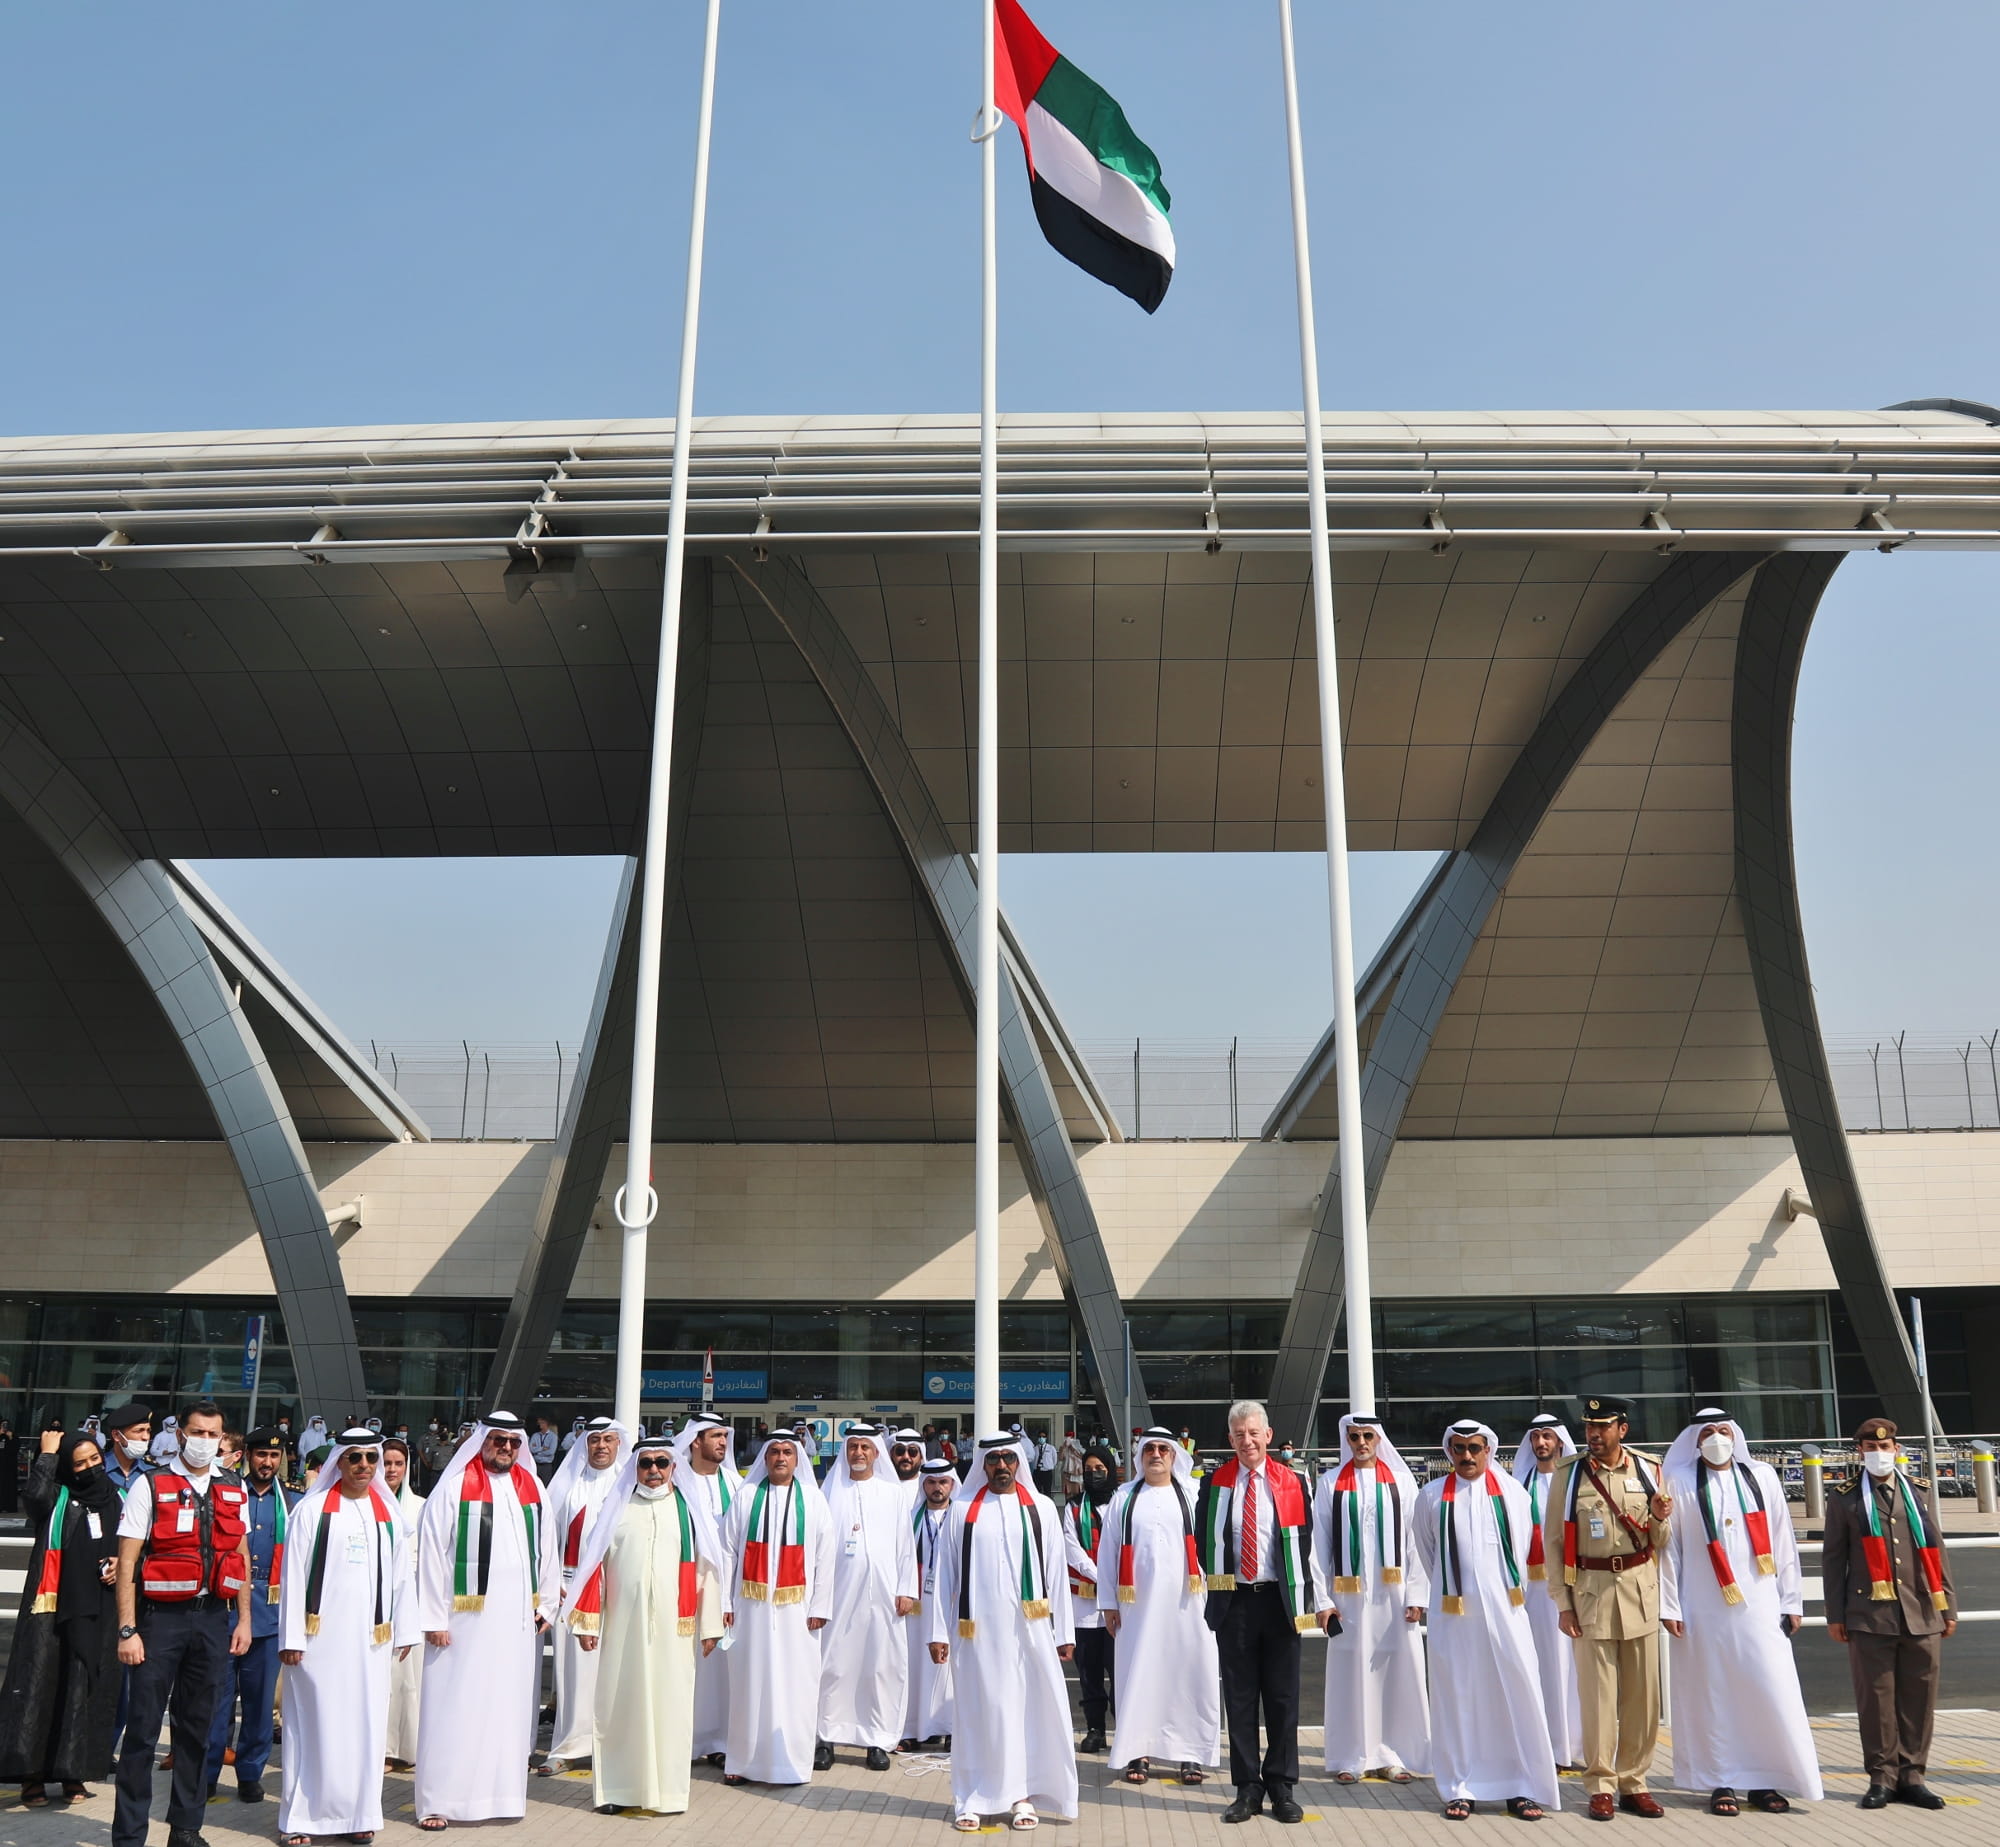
<point>1607,1516</point>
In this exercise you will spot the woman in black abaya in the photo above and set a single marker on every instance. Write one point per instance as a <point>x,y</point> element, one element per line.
<point>61,1695</point>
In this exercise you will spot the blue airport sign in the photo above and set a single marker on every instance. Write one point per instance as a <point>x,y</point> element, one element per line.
<point>749,1385</point>
<point>1044,1386</point>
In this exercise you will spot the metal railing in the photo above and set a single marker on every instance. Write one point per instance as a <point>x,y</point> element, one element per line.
<point>479,1093</point>
<point>1913,1082</point>
<point>1193,1089</point>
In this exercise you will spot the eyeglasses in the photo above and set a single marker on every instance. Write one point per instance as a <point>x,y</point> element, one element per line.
<point>654,1468</point>
<point>366,1458</point>
<point>505,1442</point>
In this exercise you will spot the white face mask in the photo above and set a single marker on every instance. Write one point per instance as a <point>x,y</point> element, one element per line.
<point>199,1452</point>
<point>652,1491</point>
<point>1880,1463</point>
<point>1718,1446</point>
<point>134,1447</point>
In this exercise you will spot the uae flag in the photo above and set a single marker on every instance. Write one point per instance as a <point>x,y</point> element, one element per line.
<point>1096,185</point>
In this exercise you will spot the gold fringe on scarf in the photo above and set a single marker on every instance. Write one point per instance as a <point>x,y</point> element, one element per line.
<point>1454,1606</point>
<point>1222,1580</point>
<point>1732,1593</point>
<point>756,1592</point>
<point>1767,1566</point>
<point>1392,1574</point>
<point>1516,1596</point>
<point>1036,1609</point>
<point>1128,1593</point>
<point>1569,1574</point>
<point>1305,1625</point>
<point>1538,1574</point>
<point>471,1601</point>
<point>312,1623</point>
<point>380,1633</point>
<point>586,1622</point>
<point>1196,1583</point>
<point>967,1628</point>
<point>271,1594</point>
<point>684,1625</point>
<point>44,1603</point>
<point>1347,1587</point>
<point>1882,1593</point>
<point>789,1593</point>
<point>1940,1601</point>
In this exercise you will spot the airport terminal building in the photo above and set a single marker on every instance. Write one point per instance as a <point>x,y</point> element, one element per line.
<point>1603,1135</point>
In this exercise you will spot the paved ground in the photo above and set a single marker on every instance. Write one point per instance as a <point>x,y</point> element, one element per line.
<point>849,1807</point>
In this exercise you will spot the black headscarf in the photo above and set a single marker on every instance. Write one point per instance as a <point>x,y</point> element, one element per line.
<point>82,1596</point>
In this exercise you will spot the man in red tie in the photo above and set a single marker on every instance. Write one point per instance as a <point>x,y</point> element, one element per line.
<point>1255,1543</point>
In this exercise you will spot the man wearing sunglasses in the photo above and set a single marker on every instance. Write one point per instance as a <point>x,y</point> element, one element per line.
<point>488,1579</point>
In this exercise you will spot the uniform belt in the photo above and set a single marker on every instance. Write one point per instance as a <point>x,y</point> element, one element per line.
<point>1257,1584</point>
<point>1623,1561</point>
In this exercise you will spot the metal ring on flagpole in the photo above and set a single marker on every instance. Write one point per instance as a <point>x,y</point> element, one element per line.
<point>991,128</point>
<point>652,1210</point>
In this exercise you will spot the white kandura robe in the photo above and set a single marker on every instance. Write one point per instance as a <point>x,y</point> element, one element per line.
<point>576,1668</point>
<point>639,1751</point>
<point>336,1700</point>
<point>1489,1740</point>
<point>928,1711</point>
<point>1170,1685</point>
<point>864,1683</point>
<point>1010,1733</point>
<point>483,1693</point>
<point>1378,1711</point>
<point>406,1676</point>
<point>1738,1716</point>
<point>774,1663</point>
<point>1555,1653</point>
<point>712,1497</point>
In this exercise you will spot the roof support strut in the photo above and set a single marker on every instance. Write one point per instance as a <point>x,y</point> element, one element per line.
<point>138,900</point>
<point>1449,926</point>
<point>945,880</point>
<point>1776,619</point>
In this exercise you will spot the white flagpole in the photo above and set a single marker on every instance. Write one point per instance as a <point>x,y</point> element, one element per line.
<point>1347,1060</point>
<point>637,1202</point>
<point>986,1054</point>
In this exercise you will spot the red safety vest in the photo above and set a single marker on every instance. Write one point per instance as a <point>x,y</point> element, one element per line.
<point>197,1540</point>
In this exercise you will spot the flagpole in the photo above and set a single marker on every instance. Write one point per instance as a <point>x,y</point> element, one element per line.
<point>986,1052</point>
<point>637,1203</point>
<point>1347,1060</point>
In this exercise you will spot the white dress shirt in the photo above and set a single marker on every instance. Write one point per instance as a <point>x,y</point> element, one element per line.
<point>1251,1481</point>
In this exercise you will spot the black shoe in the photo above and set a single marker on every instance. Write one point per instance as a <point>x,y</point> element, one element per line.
<point>1284,1805</point>
<point>1093,1738</point>
<point>186,1837</point>
<point>1877,1798</point>
<point>249,1792</point>
<point>877,1758</point>
<point>1918,1796</point>
<point>822,1755</point>
<point>1249,1804</point>
<point>715,1759</point>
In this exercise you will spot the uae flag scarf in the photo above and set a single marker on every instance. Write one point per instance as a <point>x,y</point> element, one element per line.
<point>1128,1588</point>
<point>1216,1533</point>
<point>385,1539</point>
<point>587,1613</point>
<point>472,1560</point>
<point>1451,1572</point>
<point>1089,1530</point>
<point>1756,1523</point>
<point>1387,1505</point>
<point>1096,186</point>
<point>1034,1588</point>
<point>1640,1534</point>
<point>1875,1546</point>
<point>791,1585</point>
<point>48,1583</point>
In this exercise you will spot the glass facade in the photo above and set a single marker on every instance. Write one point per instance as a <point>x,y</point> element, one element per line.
<point>1786,1365</point>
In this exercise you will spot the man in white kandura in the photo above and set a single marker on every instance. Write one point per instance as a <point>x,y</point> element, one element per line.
<point>927,1718</point>
<point>576,1496</point>
<point>1732,1596</point>
<point>709,1481</point>
<point>488,1580</point>
<point>647,1599</point>
<point>906,1457</point>
<point>781,1550</point>
<point>1006,1633</point>
<point>1489,1740</point>
<point>1545,1443</point>
<point>864,1685</point>
<point>406,1671</point>
<point>346,1603</point>
<point>1153,1596</point>
<point>1378,1714</point>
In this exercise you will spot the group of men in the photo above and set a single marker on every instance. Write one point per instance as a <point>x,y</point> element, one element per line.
<point>762,1620</point>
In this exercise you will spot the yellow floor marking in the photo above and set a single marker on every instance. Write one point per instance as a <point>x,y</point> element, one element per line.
<point>1965,1763</point>
<point>1963,1802</point>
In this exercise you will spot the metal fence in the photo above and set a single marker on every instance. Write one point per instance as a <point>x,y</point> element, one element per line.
<point>1188,1089</point>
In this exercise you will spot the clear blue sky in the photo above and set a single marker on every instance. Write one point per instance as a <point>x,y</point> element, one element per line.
<point>248,215</point>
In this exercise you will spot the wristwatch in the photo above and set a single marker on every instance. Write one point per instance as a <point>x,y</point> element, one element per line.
<point>126,1633</point>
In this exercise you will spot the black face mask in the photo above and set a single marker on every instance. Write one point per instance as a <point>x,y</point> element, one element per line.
<point>1096,1487</point>
<point>94,1489</point>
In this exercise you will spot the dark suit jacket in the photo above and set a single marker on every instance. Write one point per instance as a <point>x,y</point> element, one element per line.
<point>1844,1566</point>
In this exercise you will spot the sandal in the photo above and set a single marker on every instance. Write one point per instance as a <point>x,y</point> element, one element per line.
<point>434,1824</point>
<point>1723,1802</point>
<point>1457,1809</point>
<point>1023,1818</point>
<point>966,1824</point>
<point>1138,1770</point>
<point>34,1796</point>
<point>295,1840</point>
<point>362,1840</point>
<point>1400,1775</point>
<point>1525,1808</point>
<point>1190,1774</point>
<point>734,1782</point>
<point>1345,1777</point>
<point>1770,1802</point>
